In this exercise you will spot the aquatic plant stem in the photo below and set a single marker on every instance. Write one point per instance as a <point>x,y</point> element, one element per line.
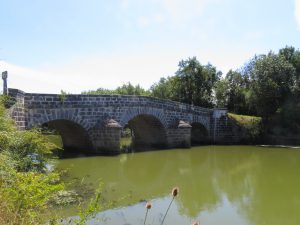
<point>167,210</point>
<point>146,216</point>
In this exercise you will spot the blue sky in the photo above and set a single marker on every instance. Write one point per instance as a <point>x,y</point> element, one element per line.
<point>77,45</point>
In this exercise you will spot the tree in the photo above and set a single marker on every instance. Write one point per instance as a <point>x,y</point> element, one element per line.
<point>221,90</point>
<point>162,89</point>
<point>293,57</point>
<point>237,91</point>
<point>272,81</point>
<point>125,89</point>
<point>193,83</point>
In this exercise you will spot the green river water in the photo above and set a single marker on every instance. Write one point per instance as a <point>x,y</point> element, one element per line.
<point>228,185</point>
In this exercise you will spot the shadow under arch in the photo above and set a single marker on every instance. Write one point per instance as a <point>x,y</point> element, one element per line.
<point>148,132</point>
<point>199,134</point>
<point>74,137</point>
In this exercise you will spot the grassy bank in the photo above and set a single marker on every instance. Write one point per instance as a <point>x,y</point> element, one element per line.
<point>248,127</point>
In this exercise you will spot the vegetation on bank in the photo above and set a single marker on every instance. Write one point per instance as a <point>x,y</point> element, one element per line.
<point>25,185</point>
<point>250,127</point>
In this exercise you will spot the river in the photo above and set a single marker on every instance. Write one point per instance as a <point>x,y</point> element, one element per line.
<point>228,185</point>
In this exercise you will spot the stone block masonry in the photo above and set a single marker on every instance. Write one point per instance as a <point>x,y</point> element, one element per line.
<point>99,119</point>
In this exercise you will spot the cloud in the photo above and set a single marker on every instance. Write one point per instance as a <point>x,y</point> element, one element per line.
<point>92,72</point>
<point>142,66</point>
<point>297,12</point>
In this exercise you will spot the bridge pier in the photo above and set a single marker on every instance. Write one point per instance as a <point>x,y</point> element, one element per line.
<point>106,139</point>
<point>180,136</point>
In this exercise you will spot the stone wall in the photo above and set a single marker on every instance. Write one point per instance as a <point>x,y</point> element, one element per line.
<point>17,111</point>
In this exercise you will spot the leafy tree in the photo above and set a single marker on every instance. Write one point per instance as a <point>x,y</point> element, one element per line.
<point>221,93</point>
<point>237,91</point>
<point>193,83</point>
<point>272,81</point>
<point>293,56</point>
<point>162,89</point>
<point>125,89</point>
<point>129,89</point>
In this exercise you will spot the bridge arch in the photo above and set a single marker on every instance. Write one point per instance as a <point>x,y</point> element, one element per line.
<point>44,116</point>
<point>203,120</point>
<point>147,132</point>
<point>72,129</point>
<point>133,112</point>
<point>199,134</point>
<point>74,137</point>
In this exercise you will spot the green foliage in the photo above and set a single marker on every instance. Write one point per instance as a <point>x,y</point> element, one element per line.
<point>63,96</point>
<point>24,194</point>
<point>193,84</point>
<point>221,90</point>
<point>6,123</point>
<point>93,207</point>
<point>25,188</point>
<point>163,89</point>
<point>250,127</point>
<point>125,89</point>
<point>272,81</point>
<point>7,101</point>
<point>28,148</point>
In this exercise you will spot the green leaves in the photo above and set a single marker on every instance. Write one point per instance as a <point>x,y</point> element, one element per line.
<point>125,89</point>
<point>193,84</point>
<point>273,79</point>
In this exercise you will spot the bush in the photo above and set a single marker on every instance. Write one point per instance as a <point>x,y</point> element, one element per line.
<point>29,149</point>
<point>24,194</point>
<point>25,187</point>
<point>6,123</point>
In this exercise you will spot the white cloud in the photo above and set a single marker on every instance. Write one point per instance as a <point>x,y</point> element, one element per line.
<point>143,66</point>
<point>92,72</point>
<point>297,11</point>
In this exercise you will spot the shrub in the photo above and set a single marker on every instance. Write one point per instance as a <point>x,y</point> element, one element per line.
<point>24,194</point>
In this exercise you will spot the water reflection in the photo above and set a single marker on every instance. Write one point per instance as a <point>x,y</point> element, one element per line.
<point>218,184</point>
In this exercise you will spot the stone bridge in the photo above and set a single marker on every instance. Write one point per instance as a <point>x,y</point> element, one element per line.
<point>95,122</point>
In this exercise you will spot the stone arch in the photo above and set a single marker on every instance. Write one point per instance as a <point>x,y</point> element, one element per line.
<point>148,132</point>
<point>44,116</point>
<point>73,130</point>
<point>74,137</point>
<point>203,120</point>
<point>199,134</point>
<point>133,112</point>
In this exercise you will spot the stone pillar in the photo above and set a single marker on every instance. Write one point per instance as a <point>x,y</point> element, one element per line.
<point>106,140</point>
<point>4,78</point>
<point>17,110</point>
<point>185,133</point>
<point>219,125</point>
<point>180,136</point>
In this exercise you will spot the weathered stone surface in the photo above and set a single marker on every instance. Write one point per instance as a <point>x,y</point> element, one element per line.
<point>102,117</point>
